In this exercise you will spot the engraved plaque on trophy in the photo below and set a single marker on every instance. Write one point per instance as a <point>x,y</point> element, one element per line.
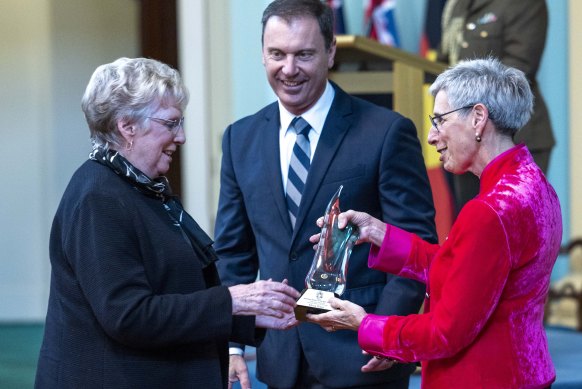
<point>327,276</point>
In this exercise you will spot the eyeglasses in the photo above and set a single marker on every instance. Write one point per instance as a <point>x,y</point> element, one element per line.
<point>172,125</point>
<point>436,120</point>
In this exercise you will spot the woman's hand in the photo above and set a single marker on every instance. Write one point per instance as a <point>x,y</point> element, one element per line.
<point>371,230</point>
<point>345,316</point>
<point>263,298</point>
<point>348,316</point>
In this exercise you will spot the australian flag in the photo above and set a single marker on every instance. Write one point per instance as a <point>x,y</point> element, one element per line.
<point>381,23</point>
<point>339,25</point>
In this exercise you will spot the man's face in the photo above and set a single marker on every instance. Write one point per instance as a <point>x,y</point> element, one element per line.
<point>296,61</point>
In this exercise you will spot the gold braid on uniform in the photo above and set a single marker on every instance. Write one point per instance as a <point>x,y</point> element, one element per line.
<point>452,32</point>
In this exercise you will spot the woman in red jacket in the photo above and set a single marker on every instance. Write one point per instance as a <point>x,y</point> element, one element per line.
<point>486,285</point>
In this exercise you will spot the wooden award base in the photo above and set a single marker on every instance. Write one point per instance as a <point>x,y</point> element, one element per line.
<point>313,301</point>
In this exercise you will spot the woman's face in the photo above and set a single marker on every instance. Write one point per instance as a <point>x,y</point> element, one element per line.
<point>155,143</point>
<point>454,137</point>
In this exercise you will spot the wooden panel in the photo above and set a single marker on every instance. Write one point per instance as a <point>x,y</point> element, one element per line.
<point>352,48</point>
<point>363,82</point>
<point>159,40</point>
<point>385,70</point>
<point>408,81</point>
<point>159,35</point>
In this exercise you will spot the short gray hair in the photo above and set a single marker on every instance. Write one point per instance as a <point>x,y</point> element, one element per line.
<point>130,89</point>
<point>504,90</point>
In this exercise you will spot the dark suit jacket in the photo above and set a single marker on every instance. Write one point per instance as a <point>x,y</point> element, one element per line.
<point>130,305</point>
<point>514,32</point>
<point>376,155</point>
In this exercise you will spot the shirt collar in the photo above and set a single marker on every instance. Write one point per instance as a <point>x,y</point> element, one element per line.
<point>315,116</point>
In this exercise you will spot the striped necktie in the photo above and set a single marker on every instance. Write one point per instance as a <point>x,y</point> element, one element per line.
<point>298,167</point>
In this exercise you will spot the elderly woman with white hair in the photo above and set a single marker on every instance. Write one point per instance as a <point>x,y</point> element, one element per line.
<point>482,325</point>
<point>135,298</point>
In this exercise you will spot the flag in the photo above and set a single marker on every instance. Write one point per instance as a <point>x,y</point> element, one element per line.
<point>441,189</point>
<point>339,24</point>
<point>380,21</point>
<point>431,36</point>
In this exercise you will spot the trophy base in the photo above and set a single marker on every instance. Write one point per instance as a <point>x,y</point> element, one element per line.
<point>313,301</point>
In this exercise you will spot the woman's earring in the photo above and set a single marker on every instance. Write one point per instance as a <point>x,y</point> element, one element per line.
<point>477,138</point>
<point>129,146</point>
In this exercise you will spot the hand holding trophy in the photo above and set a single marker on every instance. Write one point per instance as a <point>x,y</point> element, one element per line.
<point>327,276</point>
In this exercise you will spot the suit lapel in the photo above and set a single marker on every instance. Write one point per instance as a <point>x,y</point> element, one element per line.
<point>336,126</point>
<point>272,161</point>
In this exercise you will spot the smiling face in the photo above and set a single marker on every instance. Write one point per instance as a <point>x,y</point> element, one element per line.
<point>154,144</point>
<point>455,138</point>
<point>296,61</point>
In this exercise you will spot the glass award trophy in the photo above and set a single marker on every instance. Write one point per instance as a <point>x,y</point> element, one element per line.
<point>327,276</point>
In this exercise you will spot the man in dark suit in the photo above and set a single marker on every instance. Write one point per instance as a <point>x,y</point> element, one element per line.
<point>515,33</point>
<point>265,215</point>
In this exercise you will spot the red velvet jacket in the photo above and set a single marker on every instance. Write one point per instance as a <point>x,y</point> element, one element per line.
<point>486,286</point>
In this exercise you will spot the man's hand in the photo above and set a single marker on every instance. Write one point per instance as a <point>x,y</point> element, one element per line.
<point>238,371</point>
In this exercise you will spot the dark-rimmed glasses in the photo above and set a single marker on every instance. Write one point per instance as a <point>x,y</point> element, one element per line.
<point>436,120</point>
<point>171,125</point>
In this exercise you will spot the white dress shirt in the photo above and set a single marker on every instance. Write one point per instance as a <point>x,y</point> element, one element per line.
<point>315,116</point>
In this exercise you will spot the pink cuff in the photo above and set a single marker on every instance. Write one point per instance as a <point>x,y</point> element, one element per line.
<point>370,333</point>
<point>393,253</point>
<point>376,337</point>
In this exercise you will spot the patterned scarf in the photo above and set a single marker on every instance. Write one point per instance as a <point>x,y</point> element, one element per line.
<point>159,188</point>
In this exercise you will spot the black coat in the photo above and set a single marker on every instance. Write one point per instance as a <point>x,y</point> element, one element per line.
<point>130,306</point>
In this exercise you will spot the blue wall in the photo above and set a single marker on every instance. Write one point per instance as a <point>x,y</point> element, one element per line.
<point>553,79</point>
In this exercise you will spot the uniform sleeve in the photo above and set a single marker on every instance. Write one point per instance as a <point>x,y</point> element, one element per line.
<point>471,287</point>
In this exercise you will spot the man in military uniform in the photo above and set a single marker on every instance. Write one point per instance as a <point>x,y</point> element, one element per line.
<point>514,32</point>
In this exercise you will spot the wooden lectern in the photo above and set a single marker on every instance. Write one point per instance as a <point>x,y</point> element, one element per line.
<point>398,80</point>
<point>364,67</point>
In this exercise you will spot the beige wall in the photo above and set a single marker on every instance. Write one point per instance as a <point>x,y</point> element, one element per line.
<point>575,51</point>
<point>205,63</point>
<point>48,50</point>
<point>25,108</point>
